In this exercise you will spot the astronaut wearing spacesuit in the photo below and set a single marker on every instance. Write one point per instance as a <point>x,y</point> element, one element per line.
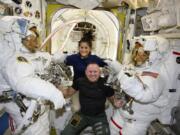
<point>147,87</point>
<point>19,67</point>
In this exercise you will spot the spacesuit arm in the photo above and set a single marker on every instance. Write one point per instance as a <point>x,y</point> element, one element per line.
<point>146,89</point>
<point>114,66</point>
<point>36,88</point>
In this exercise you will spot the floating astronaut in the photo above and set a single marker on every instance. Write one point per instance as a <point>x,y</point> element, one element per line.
<point>145,87</point>
<point>20,84</point>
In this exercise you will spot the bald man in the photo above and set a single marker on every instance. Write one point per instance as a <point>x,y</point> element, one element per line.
<point>92,96</point>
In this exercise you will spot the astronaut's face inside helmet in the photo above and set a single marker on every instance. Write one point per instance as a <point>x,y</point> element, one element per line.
<point>139,56</point>
<point>31,43</point>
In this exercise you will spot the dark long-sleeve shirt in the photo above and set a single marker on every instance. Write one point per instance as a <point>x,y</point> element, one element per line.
<point>92,95</point>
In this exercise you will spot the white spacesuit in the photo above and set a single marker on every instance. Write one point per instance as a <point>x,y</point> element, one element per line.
<point>19,68</point>
<point>147,87</point>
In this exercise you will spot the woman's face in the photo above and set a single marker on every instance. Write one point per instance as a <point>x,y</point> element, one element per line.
<point>84,49</point>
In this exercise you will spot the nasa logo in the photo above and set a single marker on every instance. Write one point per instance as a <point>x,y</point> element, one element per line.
<point>22,59</point>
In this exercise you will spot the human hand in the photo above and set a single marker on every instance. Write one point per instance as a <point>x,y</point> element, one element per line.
<point>62,89</point>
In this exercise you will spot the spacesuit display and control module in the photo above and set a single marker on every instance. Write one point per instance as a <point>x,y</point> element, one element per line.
<point>145,86</point>
<point>24,94</point>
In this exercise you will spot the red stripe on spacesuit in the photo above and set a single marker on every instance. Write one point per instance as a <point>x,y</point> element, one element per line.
<point>118,126</point>
<point>176,53</point>
<point>11,124</point>
<point>147,73</point>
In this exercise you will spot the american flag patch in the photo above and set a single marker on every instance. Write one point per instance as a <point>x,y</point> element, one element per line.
<point>11,124</point>
<point>147,73</point>
<point>176,53</point>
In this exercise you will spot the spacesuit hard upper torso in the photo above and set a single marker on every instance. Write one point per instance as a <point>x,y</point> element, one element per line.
<point>20,72</point>
<point>11,107</point>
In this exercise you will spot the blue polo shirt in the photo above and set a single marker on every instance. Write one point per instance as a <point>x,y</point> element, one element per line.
<point>79,64</point>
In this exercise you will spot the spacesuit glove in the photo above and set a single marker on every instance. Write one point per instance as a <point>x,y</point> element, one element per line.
<point>58,100</point>
<point>130,84</point>
<point>114,65</point>
<point>59,57</point>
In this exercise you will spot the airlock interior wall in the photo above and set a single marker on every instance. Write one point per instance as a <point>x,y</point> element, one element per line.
<point>106,31</point>
<point>51,10</point>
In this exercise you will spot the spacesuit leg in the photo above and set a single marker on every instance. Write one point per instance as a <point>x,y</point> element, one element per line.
<point>41,126</point>
<point>116,123</point>
<point>135,128</point>
<point>57,117</point>
<point>122,126</point>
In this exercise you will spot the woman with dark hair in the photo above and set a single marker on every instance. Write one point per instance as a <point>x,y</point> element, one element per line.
<point>80,60</point>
